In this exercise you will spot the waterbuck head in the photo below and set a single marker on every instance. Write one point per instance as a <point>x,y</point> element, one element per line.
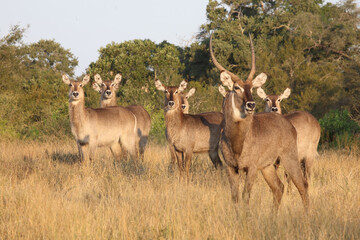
<point>76,91</point>
<point>107,89</point>
<point>272,102</point>
<point>185,98</point>
<point>240,92</point>
<point>174,97</point>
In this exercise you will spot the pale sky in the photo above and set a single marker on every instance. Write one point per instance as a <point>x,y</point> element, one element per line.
<point>85,26</point>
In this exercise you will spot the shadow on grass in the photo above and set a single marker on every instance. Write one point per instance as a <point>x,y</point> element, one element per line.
<point>131,167</point>
<point>68,158</point>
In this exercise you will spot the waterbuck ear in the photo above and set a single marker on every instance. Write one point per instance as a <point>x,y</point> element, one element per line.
<point>66,79</point>
<point>285,94</point>
<point>85,80</point>
<point>222,90</point>
<point>182,86</point>
<point>159,86</point>
<point>226,80</point>
<point>98,79</point>
<point>261,93</point>
<point>259,80</point>
<point>117,80</point>
<point>190,93</point>
<point>96,87</point>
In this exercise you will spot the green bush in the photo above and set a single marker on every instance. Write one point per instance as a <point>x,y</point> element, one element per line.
<point>338,129</point>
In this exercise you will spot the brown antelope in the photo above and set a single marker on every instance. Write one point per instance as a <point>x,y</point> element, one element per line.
<point>107,89</point>
<point>185,108</point>
<point>92,128</point>
<point>189,133</point>
<point>185,100</point>
<point>254,142</point>
<point>307,128</point>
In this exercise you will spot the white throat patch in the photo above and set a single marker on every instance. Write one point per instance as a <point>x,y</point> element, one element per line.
<point>236,113</point>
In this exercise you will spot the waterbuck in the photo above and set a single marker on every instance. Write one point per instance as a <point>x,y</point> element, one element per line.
<point>185,100</point>
<point>92,128</point>
<point>307,128</point>
<point>252,142</point>
<point>107,90</point>
<point>185,108</point>
<point>187,133</point>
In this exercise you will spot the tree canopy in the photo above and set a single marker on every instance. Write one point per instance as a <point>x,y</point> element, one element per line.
<point>309,46</point>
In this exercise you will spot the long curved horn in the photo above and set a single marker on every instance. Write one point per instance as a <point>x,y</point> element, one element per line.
<point>217,64</point>
<point>252,72</point>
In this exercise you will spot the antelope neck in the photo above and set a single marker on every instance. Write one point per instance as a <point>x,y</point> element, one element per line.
<point>77,113</point>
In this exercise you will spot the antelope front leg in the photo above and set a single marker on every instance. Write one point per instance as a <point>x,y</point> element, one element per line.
<point>188,156</point>
<point>232,170</point>
<point>172,155</point>
<point>227,153</point>
<point>81,155</point>
<point>84,153</point>
<point>234,180</point>
<point>249,182</point>
<point>180,161</point>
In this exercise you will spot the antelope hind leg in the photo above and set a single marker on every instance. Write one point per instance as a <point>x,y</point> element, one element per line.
<point>292,167</point>
<point>277,187</point>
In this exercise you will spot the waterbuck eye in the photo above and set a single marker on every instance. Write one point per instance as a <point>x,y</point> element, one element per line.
<point>176,92</point>
<point>237,88</point>
<point>267,100</point>
<point>166,91</point>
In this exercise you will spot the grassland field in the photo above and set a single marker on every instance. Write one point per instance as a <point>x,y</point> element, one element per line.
<point>45,193</point>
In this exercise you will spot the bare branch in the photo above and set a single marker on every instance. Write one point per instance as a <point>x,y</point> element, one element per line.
<point>281,26</point>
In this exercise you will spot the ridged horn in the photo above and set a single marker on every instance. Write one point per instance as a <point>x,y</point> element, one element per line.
<point>252,72</point>
<point>234,78</point>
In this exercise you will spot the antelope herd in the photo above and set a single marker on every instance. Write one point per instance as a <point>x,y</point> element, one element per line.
<point>248,142</point>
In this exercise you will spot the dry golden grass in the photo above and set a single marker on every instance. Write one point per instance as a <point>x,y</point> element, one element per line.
<point>46,194</point>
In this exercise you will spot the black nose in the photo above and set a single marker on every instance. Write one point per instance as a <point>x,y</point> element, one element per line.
<point>75,94</point>
<point>274,109</point>
<point>108,92</point>
<point>183,106</point>
<point>250,105</point>
<point>171,103</point>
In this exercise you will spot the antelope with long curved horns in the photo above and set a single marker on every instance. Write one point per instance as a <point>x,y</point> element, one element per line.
<point>252,142</point>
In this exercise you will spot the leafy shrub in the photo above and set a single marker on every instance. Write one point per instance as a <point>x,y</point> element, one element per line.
<point>338,129</point>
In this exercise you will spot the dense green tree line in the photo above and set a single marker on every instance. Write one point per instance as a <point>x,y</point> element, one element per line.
<point>310,46</point>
